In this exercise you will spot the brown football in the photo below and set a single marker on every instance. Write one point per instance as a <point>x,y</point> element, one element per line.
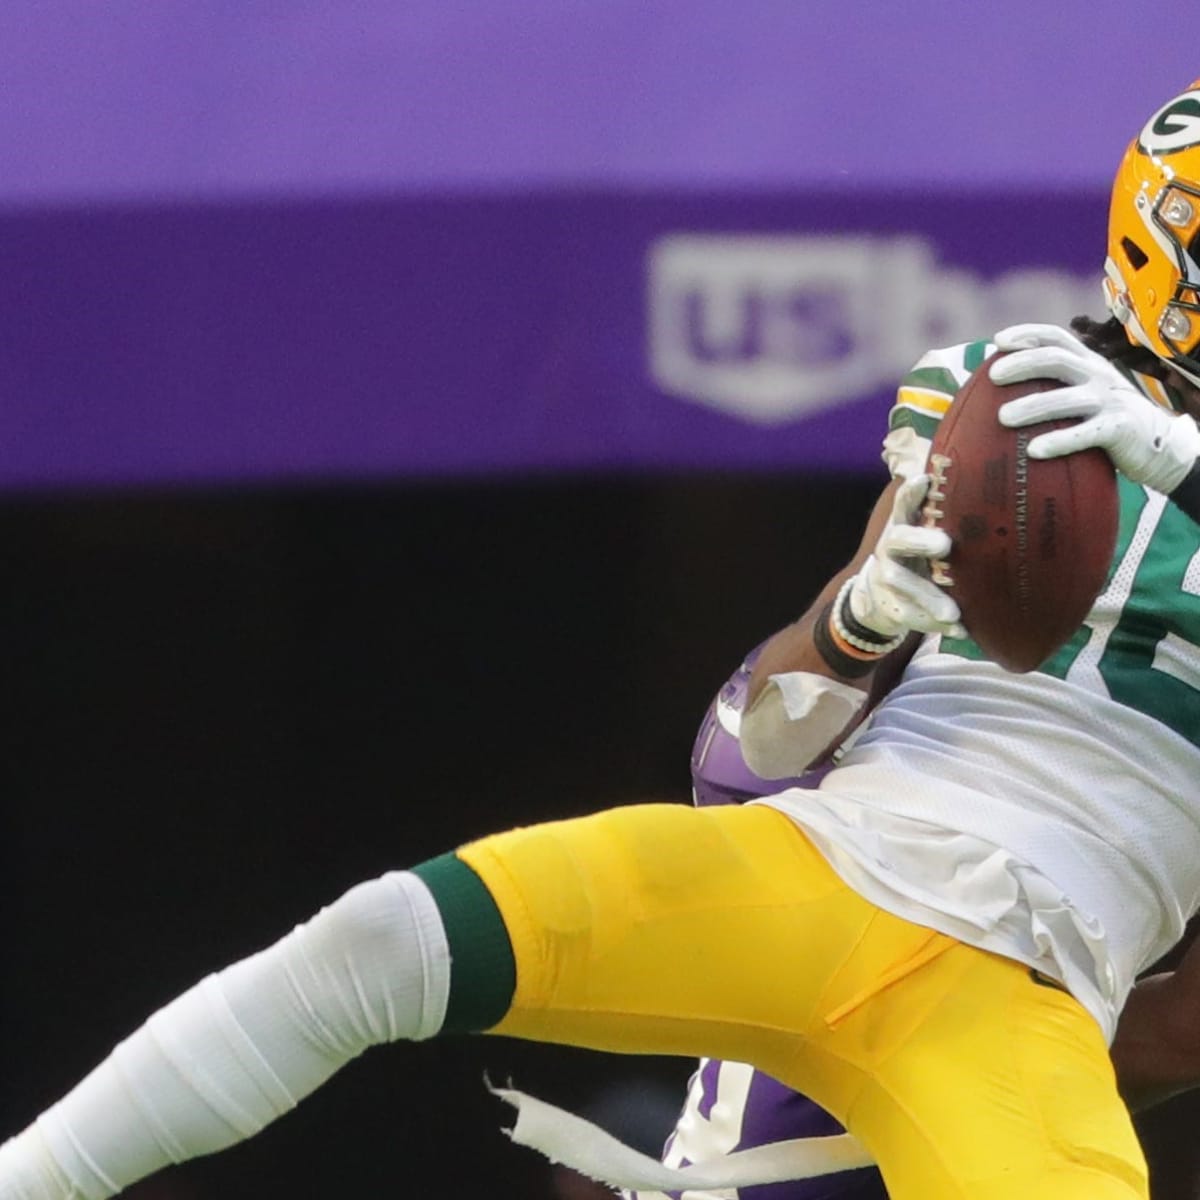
<point>1033,539</point>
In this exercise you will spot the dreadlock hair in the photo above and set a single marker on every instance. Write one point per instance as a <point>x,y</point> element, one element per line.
<point>1109,339</point>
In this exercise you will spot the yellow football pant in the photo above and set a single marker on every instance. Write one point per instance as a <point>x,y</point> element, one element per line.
<point>723,932</point>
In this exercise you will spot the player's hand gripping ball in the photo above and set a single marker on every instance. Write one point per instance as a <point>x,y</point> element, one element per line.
<point>1032,539</point>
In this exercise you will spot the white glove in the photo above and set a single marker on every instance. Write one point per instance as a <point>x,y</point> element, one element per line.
<point>1145,442</point>
<point>891,597</point>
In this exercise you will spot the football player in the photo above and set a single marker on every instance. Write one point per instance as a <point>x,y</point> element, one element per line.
<point>934,944</point>
<point>1150,283</point>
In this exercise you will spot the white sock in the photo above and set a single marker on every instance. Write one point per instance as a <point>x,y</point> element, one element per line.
<point>244,1046</point>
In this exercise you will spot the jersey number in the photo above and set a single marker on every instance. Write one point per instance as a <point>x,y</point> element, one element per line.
<point>1141,645</point>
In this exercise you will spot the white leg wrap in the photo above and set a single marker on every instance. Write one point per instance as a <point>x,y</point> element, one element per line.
<point>244,1046</point>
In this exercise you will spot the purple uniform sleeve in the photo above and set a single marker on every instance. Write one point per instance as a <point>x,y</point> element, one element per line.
<point>719,773</point>
<point>731,1106</point>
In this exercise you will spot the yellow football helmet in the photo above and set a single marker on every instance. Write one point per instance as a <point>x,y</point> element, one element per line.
<point>1152,274</point>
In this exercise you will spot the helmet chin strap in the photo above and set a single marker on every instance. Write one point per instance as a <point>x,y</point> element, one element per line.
<point>1116,299</point>
<point>1193,377</point>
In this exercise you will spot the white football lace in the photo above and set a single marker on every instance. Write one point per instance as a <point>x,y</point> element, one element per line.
<point>932,513</point>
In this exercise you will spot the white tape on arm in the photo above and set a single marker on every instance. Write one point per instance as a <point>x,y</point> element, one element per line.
<point>795,717</point>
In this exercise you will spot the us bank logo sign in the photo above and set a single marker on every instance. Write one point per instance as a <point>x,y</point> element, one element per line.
<point>772,329</point>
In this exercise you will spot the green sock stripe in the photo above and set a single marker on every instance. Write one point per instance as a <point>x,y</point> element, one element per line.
<point>483,971</point>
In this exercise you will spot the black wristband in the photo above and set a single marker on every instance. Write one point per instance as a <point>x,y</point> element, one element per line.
<point>856,629</point>
<point>1187,495</point>
<point>835,657</point>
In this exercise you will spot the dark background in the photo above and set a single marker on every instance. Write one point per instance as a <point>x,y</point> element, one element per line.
<point>228,707</point>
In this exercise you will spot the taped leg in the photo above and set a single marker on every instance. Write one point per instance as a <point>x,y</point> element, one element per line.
<point>242,1047</point>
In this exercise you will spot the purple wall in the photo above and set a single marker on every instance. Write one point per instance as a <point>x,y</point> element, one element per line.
<point>481,335</point>
<point>309,241</point>
<point>184,98</point>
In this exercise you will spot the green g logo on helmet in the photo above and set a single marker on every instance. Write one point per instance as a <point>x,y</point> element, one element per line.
<point>1175,127</point>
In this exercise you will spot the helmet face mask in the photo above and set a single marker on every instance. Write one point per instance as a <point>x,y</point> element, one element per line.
<point>1152,274</point>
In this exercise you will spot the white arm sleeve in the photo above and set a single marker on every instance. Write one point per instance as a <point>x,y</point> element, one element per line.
<point>243,1046</point>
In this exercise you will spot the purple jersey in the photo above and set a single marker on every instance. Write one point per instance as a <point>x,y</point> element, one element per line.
<point>719,773</point>
<point>731,1106</point>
